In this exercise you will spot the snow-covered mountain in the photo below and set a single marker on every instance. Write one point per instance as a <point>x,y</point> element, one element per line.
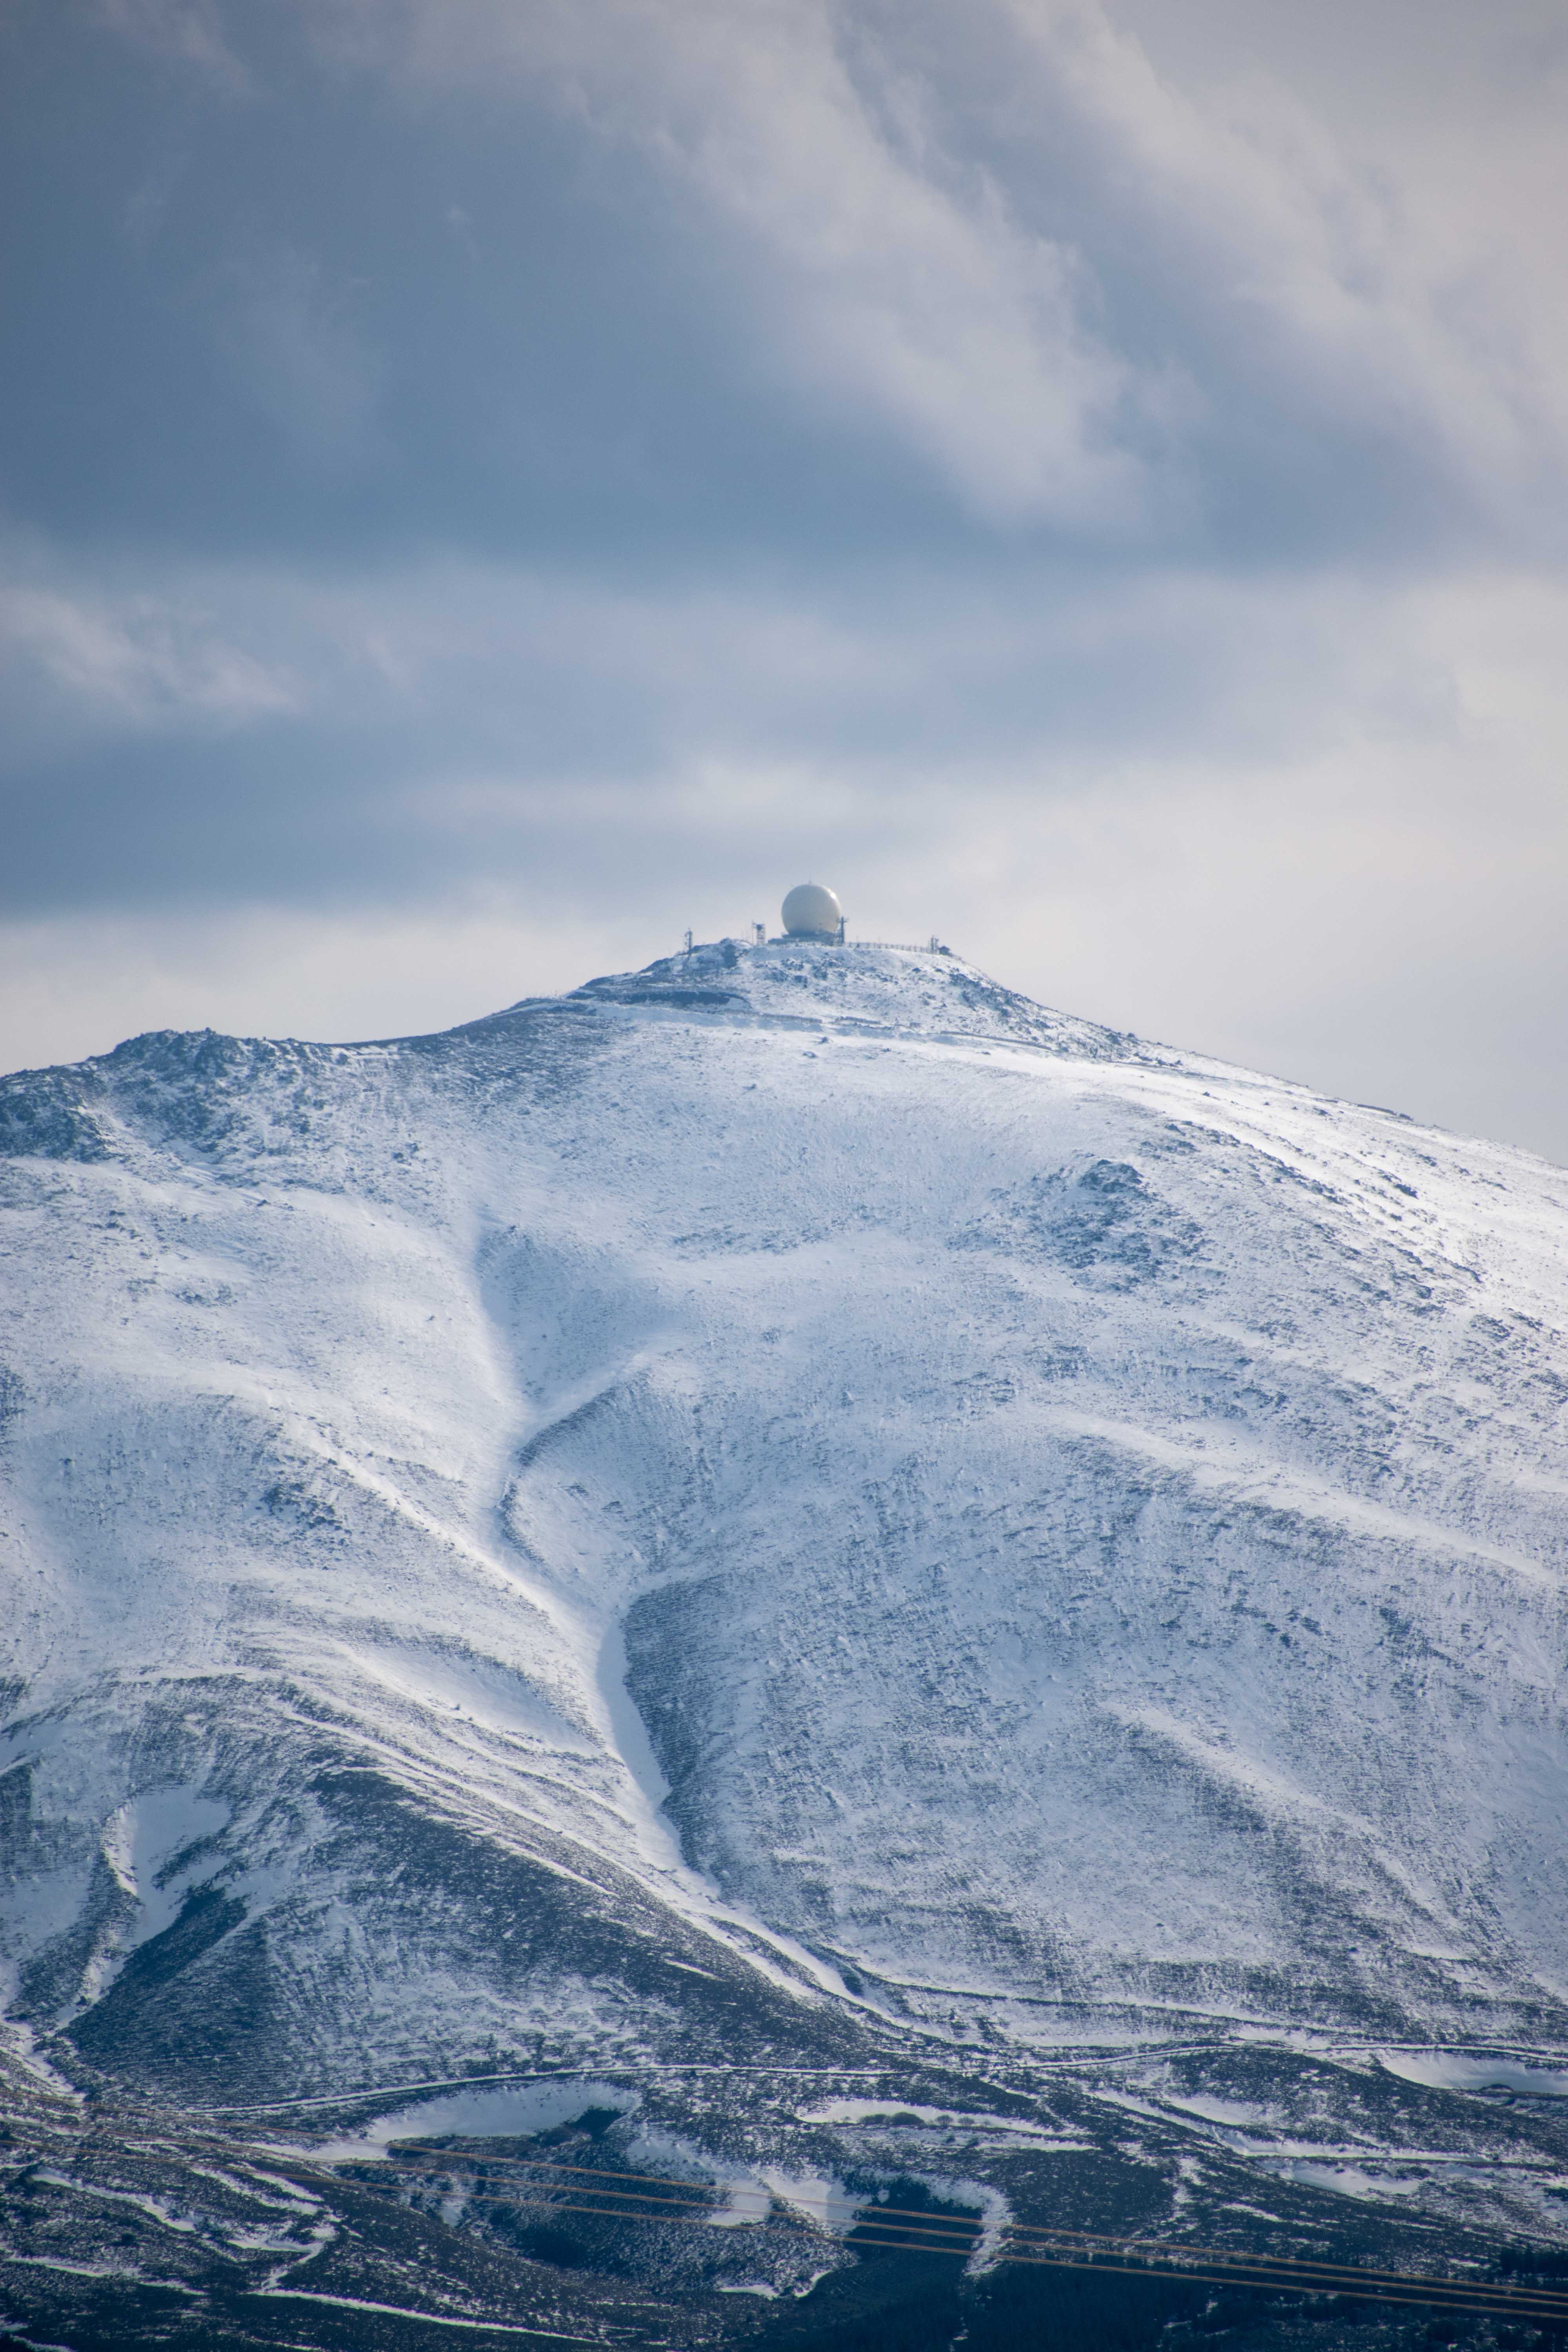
<point>794,1510</point>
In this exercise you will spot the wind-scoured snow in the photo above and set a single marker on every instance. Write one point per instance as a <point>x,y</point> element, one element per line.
<point>793,1486</point>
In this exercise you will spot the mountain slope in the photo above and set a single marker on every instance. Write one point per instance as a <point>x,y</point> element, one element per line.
<point>792,1507</point>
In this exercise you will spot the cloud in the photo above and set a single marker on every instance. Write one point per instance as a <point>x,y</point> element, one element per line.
<point>414,729</point>
<point>891,285</point>
<point>147,206</point>
<point>299,357</point>
<point>85,662</point>
<point>1074,280</point>
<point>805,274</point>
<point>188,32</point>
<point>216,728</point>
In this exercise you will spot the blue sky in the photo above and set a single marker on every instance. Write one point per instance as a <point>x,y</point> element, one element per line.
<point>487,486</point>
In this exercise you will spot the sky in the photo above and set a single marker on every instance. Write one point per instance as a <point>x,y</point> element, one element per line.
<point>487,486</point>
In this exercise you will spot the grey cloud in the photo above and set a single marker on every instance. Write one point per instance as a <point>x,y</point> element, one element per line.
<point>804,278</point>
<point>239,735</point>
<point>1082,290</point>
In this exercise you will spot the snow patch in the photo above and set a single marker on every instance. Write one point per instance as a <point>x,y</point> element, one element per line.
<point>519,2114</point>
<point>1452,2070</point>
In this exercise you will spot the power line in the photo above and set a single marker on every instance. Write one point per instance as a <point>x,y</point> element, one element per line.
<point>651,2198</point>
<point>1447,2295</point>
<point>669,2190</point>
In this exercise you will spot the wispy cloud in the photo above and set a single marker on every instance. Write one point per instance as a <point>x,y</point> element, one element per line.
<point>143,660</point>
<point>298,356</point>
<point>188,32</point>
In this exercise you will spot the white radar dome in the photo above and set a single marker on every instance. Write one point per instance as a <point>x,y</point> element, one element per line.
<point>810,912</point>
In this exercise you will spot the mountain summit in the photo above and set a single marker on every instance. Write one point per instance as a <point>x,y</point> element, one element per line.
<point>794,1510</point>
